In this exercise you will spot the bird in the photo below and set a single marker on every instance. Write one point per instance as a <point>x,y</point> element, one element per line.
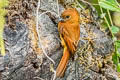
<point>69,30</point>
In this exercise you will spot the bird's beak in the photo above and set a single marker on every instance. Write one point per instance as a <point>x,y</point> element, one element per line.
<point>61,19</point>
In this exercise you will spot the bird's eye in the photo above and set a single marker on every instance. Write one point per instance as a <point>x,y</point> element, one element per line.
<point>67,17</point>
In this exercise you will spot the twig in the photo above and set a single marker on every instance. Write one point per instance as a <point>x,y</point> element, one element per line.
<point>117,3</point>
<point>58,9</point>
<point>106,22</point>
<point>39,35</point>
<point>110,17</point>
<point>38,78</point>
<point>45,13</point>
<point>80,5</point>
<point>52,69</point>
<point>89,2</point>
<point>54,77</point>
<point>44,6</point>
<point>44,52</point>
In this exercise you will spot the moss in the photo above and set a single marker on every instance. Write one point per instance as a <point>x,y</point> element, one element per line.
<point>3,4</point>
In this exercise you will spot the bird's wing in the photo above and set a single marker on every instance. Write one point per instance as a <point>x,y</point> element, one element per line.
<point>67,40</point>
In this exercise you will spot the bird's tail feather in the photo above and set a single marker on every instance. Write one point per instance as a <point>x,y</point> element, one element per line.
<point>63,63</point>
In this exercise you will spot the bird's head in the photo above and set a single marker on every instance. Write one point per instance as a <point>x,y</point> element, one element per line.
<point>70,15</point>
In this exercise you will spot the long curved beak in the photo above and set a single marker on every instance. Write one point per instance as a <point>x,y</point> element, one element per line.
<point>61,19</point>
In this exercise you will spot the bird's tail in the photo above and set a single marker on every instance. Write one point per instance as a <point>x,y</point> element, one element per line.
<point>63,63</point>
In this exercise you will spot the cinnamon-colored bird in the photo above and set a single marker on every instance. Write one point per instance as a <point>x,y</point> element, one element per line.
<point>69,30</point>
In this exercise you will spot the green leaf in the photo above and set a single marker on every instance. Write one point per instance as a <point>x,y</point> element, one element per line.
<point>118,43</point>
<point>114,58</point>
<point>112,1</point>
<point>3,3</point>
<point>2,12</point>
<point>118,54</point>
<point>114,29</point>
<point>118,67</point>
<point>109,5</point>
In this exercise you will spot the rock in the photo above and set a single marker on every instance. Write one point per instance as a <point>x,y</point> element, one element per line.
<point>92,60</point>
